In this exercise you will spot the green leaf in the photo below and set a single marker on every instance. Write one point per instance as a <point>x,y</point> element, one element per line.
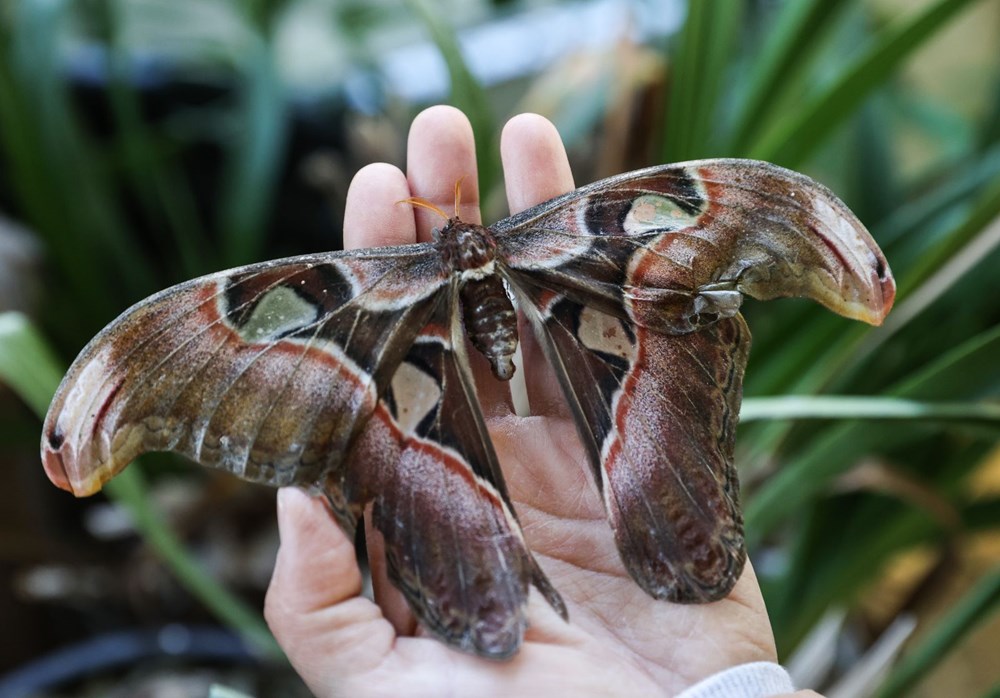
<point>792,42</point>
<point>977,230</point>
<point>149,173</point>
<point>30,368</point>
<point>789,142</point>
<point>467,94</point>
<point>956,185</point>
<point>65,191</point>
<point>982,514</point>
<point>697,70</point>
<point>255,155</point>
<point>969,371</point>
<point>990,131</point>
<point>914,496</point>
<point>974,608</point>
<point>837,549</point>
<point>27,364</point>
<point>129,489</point>
<point>850,407</point>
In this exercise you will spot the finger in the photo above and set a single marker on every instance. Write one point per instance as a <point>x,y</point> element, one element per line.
<point>536,169</point>
<point>441,151</point>
<point>313,604</point>
<point>340,644</point>
<point>373,216</point>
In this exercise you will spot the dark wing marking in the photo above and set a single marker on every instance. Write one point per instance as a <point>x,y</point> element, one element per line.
<point>267,371</point>
<point>674,247</point>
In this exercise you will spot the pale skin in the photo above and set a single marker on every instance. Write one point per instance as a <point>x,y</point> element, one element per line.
<point>619,641</point>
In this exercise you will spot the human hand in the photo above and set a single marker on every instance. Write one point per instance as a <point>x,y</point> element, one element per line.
<point>619,641</point>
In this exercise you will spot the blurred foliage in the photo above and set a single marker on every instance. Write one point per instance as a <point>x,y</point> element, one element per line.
<point>130,195</point>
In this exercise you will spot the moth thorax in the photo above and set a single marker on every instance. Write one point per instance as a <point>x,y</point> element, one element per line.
<point>491,322</point>
<point>465,246</point>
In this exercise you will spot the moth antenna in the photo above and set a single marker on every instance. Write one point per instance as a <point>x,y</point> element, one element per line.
<point>423,203</point>
<point>458,195</point>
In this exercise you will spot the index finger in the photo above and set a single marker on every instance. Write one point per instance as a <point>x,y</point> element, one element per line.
<point>536,169</point>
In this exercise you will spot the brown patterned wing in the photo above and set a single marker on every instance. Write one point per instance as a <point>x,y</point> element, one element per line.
<point>657,415</point>
<point>267,371</point>
<point>634,285</point>
<point>675,247</point>
<point>454,546</point>
<point>342,372</point>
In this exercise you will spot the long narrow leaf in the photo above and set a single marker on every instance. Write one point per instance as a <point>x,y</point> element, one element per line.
<point>851,407</point>
<point>27,364</point>
<point>162,193</point>
<point>978,229</point>
<point>790,46</point>
<point>29,367</point>
<point>956,185</point>
<point>974,608</point>
<point>697,70</point>
<point>969,371</point>
<point>27,153</point>
<point>466,93</point>
<point>836,552</point>
<point>129,490</point>
<point>79,189</point>
<point>255,157</point>
<point>791,141</point>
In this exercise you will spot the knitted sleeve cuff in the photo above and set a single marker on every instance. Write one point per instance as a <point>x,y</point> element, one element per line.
<point>754,680</point>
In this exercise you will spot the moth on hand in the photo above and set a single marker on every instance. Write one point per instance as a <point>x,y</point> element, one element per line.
<point>348,373</point>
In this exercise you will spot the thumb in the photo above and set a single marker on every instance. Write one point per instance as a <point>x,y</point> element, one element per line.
<point>313,605</point>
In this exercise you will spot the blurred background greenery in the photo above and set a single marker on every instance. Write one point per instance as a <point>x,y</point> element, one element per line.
<point>143,142</point>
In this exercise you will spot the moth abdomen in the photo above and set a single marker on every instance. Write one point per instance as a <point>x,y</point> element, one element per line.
<point>491,322</point>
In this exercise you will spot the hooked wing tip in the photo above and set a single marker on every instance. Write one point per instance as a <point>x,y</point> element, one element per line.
<point>883,293</point>
<point>56,471</point>
<point>866,294</point>
<point>873,290</point>
<point>888,288</point>
<point>65,475</point>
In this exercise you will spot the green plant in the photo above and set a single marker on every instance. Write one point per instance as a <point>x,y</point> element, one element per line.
<point>792,86</point>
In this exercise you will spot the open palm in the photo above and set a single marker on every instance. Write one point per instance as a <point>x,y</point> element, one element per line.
<point>619,641</point>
